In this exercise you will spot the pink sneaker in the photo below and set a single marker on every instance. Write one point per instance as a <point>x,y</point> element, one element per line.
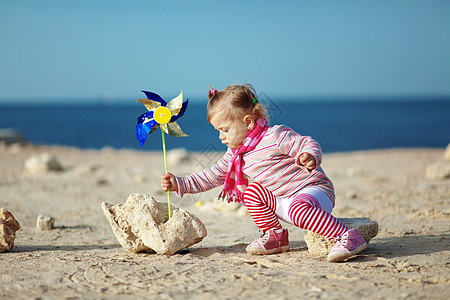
<point>347,245</point>
<point>269,243</point>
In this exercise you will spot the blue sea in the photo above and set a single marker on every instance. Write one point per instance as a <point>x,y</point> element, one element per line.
<point>338,125</point>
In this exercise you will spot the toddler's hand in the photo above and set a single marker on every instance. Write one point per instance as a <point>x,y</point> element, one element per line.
<point>308,161</point>
<point>169,183</point>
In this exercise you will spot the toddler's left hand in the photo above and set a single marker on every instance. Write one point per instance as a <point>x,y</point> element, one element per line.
<point>307,160</point>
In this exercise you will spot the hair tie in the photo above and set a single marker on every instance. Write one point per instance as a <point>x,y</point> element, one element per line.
<point>212,91</point>
<point>255,101</point>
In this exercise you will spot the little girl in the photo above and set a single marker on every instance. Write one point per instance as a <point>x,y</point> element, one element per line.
<point>287,181</point>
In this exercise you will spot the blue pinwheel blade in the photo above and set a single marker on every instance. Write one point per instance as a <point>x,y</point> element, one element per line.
<point>143,129</point>
<point>148,115</point>
<point>181,112</point>
<point>155,97</point>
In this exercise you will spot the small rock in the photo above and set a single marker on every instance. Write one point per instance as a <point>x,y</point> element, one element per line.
<point>355,172</point>
<point>318,244</point>
<point>12,136</point>
<point>86,169</point>
<point>8,228</point>
<point>139,179</point>
<point>142,224</point>
<point>242,212</point>
<point>438,171</point>
<point>177,156</point>
<point>102,181</point>
<point>447,153</point>
<point>15,148</point>
<point>427,187</point>
<point>45,222</point>
<point>225,206</point>
<point>42,163</point>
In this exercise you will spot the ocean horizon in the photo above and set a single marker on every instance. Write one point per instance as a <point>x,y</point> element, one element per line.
<point>338,125</point>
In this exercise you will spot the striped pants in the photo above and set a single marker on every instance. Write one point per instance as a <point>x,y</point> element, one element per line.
<point>311,210</point>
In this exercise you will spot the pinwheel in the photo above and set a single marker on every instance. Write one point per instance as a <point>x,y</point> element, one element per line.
<point>162,114</point>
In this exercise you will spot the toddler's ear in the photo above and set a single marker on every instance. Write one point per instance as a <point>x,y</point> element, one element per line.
<point>249,122</point>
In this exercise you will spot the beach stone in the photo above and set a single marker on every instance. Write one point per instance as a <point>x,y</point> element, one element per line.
<point>45,222</point>
<point>139,178</point>
<point>222,206</point>
<point>177,156</point>
<point>86,169</point>
<point>42,163</point>
<point>447,153</point>
<point>320,245</point>
<point>438,171</point>
<point>10,136</point>
<point>225,206</point>
<point>8,228</point>
<point>142,224</point>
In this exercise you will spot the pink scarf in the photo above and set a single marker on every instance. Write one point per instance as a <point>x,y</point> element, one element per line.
<point>235,181</point>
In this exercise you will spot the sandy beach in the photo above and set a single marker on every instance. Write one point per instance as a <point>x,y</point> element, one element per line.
<point>82,259</point>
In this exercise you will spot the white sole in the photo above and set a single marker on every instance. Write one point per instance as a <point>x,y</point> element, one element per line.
<point>344,256</point>
<point>257,251</point>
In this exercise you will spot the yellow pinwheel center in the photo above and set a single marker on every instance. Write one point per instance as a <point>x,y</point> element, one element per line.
<point>162,115</point>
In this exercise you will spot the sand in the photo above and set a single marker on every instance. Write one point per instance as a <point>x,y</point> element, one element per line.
<point>81,258</point>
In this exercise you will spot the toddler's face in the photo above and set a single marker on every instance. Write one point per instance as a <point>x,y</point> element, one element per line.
<point>231,133</point>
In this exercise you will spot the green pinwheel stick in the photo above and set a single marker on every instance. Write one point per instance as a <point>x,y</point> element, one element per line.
<point>162,114</point>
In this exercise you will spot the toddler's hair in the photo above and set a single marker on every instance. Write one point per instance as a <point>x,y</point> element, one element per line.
<point>235,101</point>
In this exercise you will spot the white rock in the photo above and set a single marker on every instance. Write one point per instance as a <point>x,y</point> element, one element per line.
<point>42,163</point>
<point>225,206</point>
<point>177,156</point>
<point>142,223</point>
<point>139,178</point>
<point>447,153</point>
<point>45,222</point>
<point>11,136</point>
<point>320,245</point>
<point>8,228</point>
<point>242,212</point>
<point>438,171</point>
<point>86,169</point>
<point>222,206</point>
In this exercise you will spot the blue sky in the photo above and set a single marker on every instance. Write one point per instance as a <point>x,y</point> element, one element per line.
<point>90,50</point>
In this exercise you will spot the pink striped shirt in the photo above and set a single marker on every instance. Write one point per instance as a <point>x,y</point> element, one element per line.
<point>274,163</point>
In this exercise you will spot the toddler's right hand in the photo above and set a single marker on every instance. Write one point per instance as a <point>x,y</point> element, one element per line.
<point>169,183</point>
